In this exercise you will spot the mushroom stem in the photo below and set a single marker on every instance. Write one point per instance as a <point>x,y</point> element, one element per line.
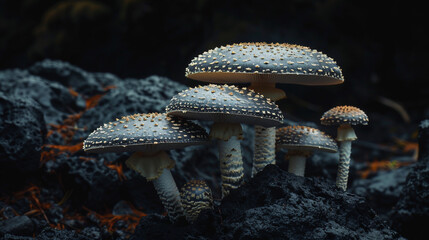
<point>228,137</point>
<point>344,164</point>
<point>169,195</point>
<point>268,89</point>
<point>265,138</point>
<point>264,152</point>
<point>297,165</point>
<point>231,164</point>
<point>156,167</point>
<point>345,135</point>
<point>297,159</point>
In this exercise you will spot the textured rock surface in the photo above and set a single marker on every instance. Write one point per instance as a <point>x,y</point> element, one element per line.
<point>279,205</point>
<point>22,133</point>
<point>19,225</point>
<point>410,216</point>
<point>424,140</point>
<point>74,102</point>
<point>382,190</point>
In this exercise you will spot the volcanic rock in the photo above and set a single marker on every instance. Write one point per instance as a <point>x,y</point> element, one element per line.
<point>382,190</point>
<point>278,205</point>
<point>19,225</point>
<point>55,99</point>
<point>51,233</point>
<point>410,216</point>
<point>22,134</point>
<point>424,140</point>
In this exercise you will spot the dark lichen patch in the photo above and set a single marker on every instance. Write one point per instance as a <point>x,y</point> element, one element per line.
<point>274,62</point>
<point>225,103</point>
<point>152,131</point>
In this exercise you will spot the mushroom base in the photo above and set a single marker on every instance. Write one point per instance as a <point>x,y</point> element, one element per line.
<point>264,151</point>
<point>231,164</point>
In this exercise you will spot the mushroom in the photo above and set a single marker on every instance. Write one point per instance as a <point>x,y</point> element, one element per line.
<point>196,196</point>
<point>301,142</point>
<point>149,136</point>
<point>227,106</point>
<point>263,65</point>
<point>344,117</point>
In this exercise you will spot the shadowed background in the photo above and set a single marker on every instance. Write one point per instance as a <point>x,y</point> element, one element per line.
<point>378,45</point>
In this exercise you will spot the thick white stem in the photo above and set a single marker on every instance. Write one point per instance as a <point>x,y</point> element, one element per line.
<point>264,151</point>
<point>231,164</point>
<point>344,164</point>
<point>169,195</point>
<point>297,165</point>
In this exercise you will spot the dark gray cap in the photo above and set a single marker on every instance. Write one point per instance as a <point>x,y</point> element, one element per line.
<point>267,62</point>
<point>145,132</point>
<point>225,103</point>
<point>305,139</point>
<point>344,115</point>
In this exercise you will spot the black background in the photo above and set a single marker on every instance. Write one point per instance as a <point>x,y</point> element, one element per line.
<point>380,45</point>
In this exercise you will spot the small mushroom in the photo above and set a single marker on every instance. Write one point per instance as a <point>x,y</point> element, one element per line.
<point>227,106</point>
<point>149,136</point>
<point>344,117</point>
<point>301,142</point>
<point>196,196</point>
<point>263,65</point>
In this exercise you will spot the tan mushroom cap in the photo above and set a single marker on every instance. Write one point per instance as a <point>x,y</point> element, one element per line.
<point>344,115</point>
<point>305,139</point>
<point>265,62</point>
<point>146,133</point>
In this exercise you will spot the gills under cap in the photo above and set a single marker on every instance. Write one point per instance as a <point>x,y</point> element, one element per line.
<point>225,103</point>
<point>269,62</point>
<point>145,132</point>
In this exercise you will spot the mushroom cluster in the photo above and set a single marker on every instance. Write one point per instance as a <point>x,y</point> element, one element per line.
<point>263,65</point>
<point>150,135</point>
<point>227,106</point>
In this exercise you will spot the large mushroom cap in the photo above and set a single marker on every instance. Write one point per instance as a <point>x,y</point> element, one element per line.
<point>344,115</point>
<point>304,138</point>
<point>268,62</point>
<point>145,132</point>
<point>225,103</point>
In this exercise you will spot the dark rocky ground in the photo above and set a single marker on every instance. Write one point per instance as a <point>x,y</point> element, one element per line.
<point>51,189</point>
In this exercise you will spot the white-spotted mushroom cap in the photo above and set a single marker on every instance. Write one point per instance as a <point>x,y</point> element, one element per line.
<point>269,62</point>
<point>225,103</point>
<point>304,139</point>
<point>344,115</point>
<point>196,196</point>
<point>145,132</point>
